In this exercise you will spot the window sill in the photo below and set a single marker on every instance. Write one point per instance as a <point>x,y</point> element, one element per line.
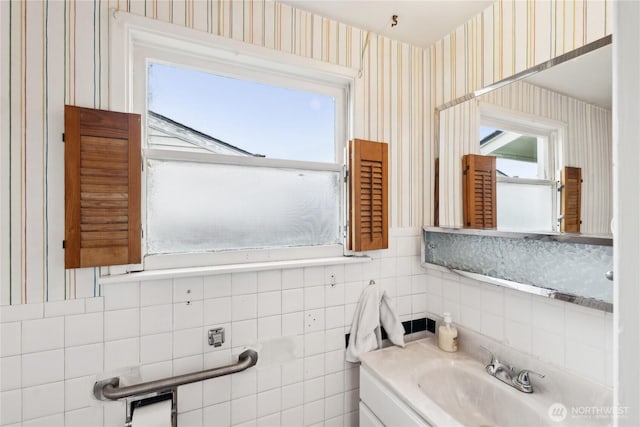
<point>229,268</point>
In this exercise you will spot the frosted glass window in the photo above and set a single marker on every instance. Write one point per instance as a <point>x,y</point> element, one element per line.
<point>241,156</point>
<point>200,207</point>
<point>524,206</point>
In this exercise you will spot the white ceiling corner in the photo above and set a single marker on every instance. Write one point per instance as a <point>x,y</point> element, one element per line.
<point>420,22</point>
<point>423,22</point>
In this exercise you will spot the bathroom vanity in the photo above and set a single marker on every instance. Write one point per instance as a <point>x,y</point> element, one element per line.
<point>420,385</point>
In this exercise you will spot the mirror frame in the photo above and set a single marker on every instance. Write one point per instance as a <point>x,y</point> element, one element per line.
<point>605,41</point>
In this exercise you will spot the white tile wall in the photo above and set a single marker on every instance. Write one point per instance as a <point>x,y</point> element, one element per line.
<point>84,329</point>
<point>244,307</point>
<point>121,354</point>
<point>42,334</point>
<point>191,419</point>
<point>268,402</point>
<point>53,420</point>
<point>156,319</point>
<point>62,308</point>
<point>10,407</point>
<point>159,328</point>
<point>187,314</point>
<point>187,342</point>
<point>571,337</point>
<point>244,283</point>
<point>217,310</point>
<point>120,296</point>
<point>314,276</point>
<point>10,373</point>
<point>188,289</point>
<point>269,327</point>
<point>42,400</point>
<point>22,312</point>
<point>120,324</point>
<point>269,281</point>
<point>75,393</point>
<point>269,303</point>
<point>292,300</point>
<point>189,397</point>
<point>292,417</point>
<point>43,367</point>
<point>292,278</point>
<point>82,417</point>
<point>243,409</point>
<point>156,292</point>
<point>217,286</point>
<point>94,305</point>
<point>216,391</point>
<point>10,339</point>
<point>220,412</point>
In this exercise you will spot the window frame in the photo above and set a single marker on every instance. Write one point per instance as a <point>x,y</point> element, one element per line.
<point>552,130</point>
<point>138,41</point>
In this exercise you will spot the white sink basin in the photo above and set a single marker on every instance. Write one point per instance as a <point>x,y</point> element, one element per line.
<point>465,391</point>
<point>453,389</point>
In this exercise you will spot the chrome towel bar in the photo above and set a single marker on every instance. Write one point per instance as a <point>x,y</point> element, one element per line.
<point>109,389</point>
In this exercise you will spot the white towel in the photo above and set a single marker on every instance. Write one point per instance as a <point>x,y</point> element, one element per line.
<point>373,309</point>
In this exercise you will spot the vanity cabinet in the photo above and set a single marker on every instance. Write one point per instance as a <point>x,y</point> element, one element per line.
<point>368,418</point>
<point>379,406</point>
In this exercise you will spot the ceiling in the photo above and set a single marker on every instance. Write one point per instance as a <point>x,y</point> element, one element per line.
<point>420,22</point>
<point>587,77</point>
<point>424,22</point>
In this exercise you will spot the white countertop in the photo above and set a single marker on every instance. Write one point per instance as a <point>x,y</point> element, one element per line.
<point>398,368</point>
<point>401,370</point>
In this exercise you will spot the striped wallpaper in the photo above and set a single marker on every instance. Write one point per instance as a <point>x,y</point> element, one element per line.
<point>512,36</point>
<point>56,52</point>
<point>459,127</point>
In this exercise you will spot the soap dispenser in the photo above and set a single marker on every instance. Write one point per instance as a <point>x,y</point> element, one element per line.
<point>447,334</point>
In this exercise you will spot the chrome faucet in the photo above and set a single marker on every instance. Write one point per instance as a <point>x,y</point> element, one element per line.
<point>505,373</point>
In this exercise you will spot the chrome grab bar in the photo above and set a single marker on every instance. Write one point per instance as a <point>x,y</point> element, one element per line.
<point>109,389</point>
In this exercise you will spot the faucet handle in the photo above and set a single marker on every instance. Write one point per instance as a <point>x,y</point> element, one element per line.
<point>522,380</point>
<point>494,360</point>
<point>524,375</point>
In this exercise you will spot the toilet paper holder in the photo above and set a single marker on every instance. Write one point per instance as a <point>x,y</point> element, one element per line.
<point>139,401</point>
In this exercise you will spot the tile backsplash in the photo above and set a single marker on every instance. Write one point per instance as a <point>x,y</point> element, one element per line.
<point>574,338</point>
<point>52,353</point>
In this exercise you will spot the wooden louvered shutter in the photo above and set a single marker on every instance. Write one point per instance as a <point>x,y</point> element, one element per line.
<point>479,191</point>
<point>368,195</point>
<point>102,188</point>
<point>571,199</point>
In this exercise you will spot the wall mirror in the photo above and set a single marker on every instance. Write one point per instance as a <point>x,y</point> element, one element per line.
<point>549,133</point>
<point>536,123</point>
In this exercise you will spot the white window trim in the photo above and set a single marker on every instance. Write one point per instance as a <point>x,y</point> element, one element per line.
<point>128,31</point>
<point>135,39</point>
<point>221,159</point>
<point>167,273</point>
